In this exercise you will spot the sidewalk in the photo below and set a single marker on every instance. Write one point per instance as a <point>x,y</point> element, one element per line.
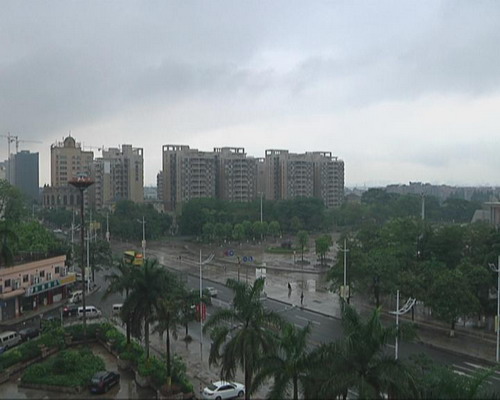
<point>474,342</point>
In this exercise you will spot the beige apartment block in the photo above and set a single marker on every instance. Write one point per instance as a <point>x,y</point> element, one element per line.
<point>237,175</point>
<point>67,161</point>
<point>118,175</point>
<point>33,285</point>
<point>312,174</point>
<point>187,174</point>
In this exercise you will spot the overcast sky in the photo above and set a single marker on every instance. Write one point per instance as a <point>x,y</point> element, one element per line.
<point>400,90</point>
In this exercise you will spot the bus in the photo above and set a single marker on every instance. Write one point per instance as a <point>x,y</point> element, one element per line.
<point>133,257</point>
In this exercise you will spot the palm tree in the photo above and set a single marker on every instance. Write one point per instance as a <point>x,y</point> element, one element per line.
<point>120,281</point>
<point>169,315</point>
<point>359,360</point>
<point>143,301</point>
<point>288,365</point>
<point>8,238</point>
<point>243,333</point>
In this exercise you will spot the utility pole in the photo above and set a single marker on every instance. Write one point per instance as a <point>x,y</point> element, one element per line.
<point>210,258</point>
<point>407,307</point>
<point>497,318</point>
<point>344,290</point>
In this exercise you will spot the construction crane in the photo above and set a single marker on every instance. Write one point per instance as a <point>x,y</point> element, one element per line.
<point>13,138</point>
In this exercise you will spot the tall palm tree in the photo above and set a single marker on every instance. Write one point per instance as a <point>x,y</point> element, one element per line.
<point>359,361</point>
<point>169,316</point>
<point>8,238</point>
<point>143,301</point>
<point>288,365</point>
<point>121,281</point>
<point>242,334</point>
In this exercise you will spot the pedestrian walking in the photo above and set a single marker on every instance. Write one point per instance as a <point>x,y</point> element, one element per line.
<point>302,298</point>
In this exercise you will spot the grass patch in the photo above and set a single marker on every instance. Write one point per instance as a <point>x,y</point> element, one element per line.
<point>70,368</point>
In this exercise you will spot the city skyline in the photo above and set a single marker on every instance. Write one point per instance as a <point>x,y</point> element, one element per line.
<point>400,91</point>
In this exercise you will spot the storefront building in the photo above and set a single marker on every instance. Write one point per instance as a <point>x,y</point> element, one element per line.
<point>27,287</point>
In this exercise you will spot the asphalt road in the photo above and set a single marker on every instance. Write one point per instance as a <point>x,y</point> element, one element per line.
<point>325,329</point>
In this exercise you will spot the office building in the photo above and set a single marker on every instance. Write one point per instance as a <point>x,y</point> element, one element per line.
<point>24,173</point>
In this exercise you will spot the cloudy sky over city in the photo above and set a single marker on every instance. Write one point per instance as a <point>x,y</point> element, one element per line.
<point>400,90</point>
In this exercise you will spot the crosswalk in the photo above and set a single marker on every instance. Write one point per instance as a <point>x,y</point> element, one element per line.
<point>470,370</point>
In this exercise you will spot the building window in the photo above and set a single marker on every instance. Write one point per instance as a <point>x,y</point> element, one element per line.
<point>42,273</point>
<point>7,283</point>
<point>26,278</point>
<point>49,276</point>
<point>57,270</point>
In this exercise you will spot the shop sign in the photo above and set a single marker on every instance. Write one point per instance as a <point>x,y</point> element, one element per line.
<point>42,287</point>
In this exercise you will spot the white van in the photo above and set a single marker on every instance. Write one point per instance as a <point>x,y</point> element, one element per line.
<point>116,309</point>
<point>9,339</point>
<point>76,296</point>
<point>91,312</point>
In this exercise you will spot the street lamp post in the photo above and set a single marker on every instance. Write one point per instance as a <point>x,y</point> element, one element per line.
<point>209,258</point>
<point>81,183</point>
<point>143,243</point>
<point>497,270</point>
<point>401,311</point>
<point>344,291</point>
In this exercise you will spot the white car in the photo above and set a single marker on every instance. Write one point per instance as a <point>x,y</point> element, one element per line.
<point>212,291</point>
<point>221,390</point>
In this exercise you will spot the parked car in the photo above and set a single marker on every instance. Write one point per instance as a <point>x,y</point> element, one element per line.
<point>70,311</point>
<point>29,333</point>
<point>76,296</point>
<point>90,312</point>
<point>212,291</point>
<point>102,381</point>
<point>9,339</point>
<point>221,390</point>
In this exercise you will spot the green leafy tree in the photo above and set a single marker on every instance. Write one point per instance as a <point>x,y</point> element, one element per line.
<point>238,233</point>
<point>287,366</point>
<point>121,280</point>
<point>208,231</point>
<point>169,315</point>
<point>8,239</point>
<point>219,231</point>
<point>302,240</point>
<point>274,229</point>
<point>450,297</point>
<point>359,361</point>
<point>242,334</point>
<point>12,203</point>
<point>143,301</point>
<point>323,244</point>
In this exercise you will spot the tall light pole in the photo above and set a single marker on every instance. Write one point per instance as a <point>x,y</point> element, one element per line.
<point>344,290</point>
<point>81,183</point>
<point>107,227</point>
<point>497,270</point>
<point>143,244</point>
<point>209,258</point>
<point>401,311</point>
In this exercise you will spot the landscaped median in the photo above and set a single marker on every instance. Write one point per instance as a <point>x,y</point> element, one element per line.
<point>69,369</point>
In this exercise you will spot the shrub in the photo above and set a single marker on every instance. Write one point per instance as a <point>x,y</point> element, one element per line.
<point>179,374</point>
<point>154,368</point>
<point>132,352</point>
<point>10,357</point>
<point>68,368</point>
<point>30,350</point>
<point>53,338</point>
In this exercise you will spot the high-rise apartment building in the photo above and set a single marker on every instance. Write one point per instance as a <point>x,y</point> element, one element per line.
<point>24,173</point>
<point>67,161</point>
<point>227,173</point>
<point>187,174</point>
<point>236,174</point>
<point>316,174</point>
<point>118,175</point>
